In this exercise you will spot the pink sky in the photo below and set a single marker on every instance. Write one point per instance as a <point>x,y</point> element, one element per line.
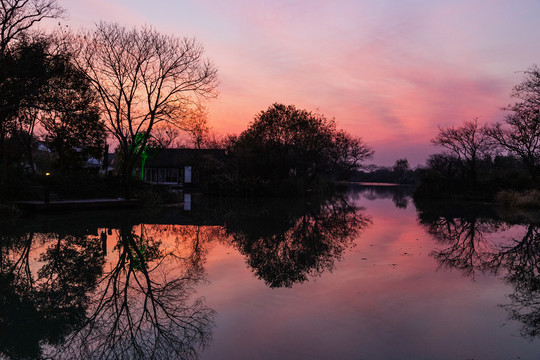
<point>389,71</point>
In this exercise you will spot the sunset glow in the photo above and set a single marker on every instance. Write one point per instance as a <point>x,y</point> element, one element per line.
<point>389,71</point>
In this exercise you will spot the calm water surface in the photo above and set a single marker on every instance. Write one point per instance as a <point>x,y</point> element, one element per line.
<point>363,275</point>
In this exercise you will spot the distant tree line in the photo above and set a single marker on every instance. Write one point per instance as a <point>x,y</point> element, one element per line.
<point>481,160</point>
<point>400,173</point>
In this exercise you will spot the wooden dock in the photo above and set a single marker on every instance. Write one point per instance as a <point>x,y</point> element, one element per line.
<point>61,205</point>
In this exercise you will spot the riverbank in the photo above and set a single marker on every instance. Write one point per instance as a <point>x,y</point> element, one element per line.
<point>527,199</point>
<point>63,205</point>
<point>27,193</point>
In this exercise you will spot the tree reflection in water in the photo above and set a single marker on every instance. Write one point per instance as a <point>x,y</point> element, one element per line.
<point>141,309</point>
<point>44,306</point>
<point>71,303</point>
<point>523,263</point>
<point>399,194</point>
<point>285,242</point>
<point>472,247</point>
<point>65,295</point>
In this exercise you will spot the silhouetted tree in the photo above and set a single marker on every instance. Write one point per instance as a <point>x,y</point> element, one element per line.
<point>42,87</point>
<point>444,165</point>
<point>520,132</point>
<point>43,306</point>
<point>70,114</point>
<point>284,142</point>
<point>401,169</point>
<point>468,143</point>
<point>141,309</point>
<point>23,75</point>
<point>17,17</point>
<point>143,78</point>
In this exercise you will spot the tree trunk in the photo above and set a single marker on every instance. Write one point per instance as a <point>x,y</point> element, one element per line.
<point>126,186</point>
<point>3,160</point>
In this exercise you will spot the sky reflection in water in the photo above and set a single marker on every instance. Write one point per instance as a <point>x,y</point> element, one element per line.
<point>366,275</point>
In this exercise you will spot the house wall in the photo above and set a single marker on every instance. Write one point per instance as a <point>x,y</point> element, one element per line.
<point>168,175</point>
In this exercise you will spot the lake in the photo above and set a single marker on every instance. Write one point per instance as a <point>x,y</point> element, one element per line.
<point>366,274</point>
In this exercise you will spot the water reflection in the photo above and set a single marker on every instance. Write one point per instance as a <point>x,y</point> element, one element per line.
<point>61,298</point>
<point>121,285</point>
<point>489,243</point>
<point>141,310</point>
<point>400,195</point>
<point>44,306</point>
<point>286,242</point>
<point>523,263</point>
<point>469,246</point>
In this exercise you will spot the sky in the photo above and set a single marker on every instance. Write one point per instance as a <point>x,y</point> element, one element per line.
<point>389,71</point>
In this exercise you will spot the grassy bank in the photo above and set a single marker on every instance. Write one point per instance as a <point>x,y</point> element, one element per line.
<point>527,199</point>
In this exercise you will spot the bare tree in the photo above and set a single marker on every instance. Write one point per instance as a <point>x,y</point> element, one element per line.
<point>528,90</point>
<point>17,16</point>
<point>197,126</point>
<point>520,133</point>
<point>468,143</point>
<point>143,78</point>
<point>470,247</point>
<point>164,137</point>
<point>194,127</point>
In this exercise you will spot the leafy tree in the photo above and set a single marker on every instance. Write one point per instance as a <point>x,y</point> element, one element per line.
<point>70,114</point>
<point>284,142</point>
<point>42,87</point>
<point>401,168</point>
<point>23,73</point>
<point>17,17</point>
<point>143,78</point>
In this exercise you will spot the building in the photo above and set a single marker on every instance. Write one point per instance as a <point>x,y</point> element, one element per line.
<point>181,166</point>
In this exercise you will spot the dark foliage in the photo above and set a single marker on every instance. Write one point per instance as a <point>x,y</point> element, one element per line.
<point>400,173</point>
<point>288,241</point>
<point>482,161</point>
<point>444,177</point>
<point>288,150</point>
<point>41,88</point>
